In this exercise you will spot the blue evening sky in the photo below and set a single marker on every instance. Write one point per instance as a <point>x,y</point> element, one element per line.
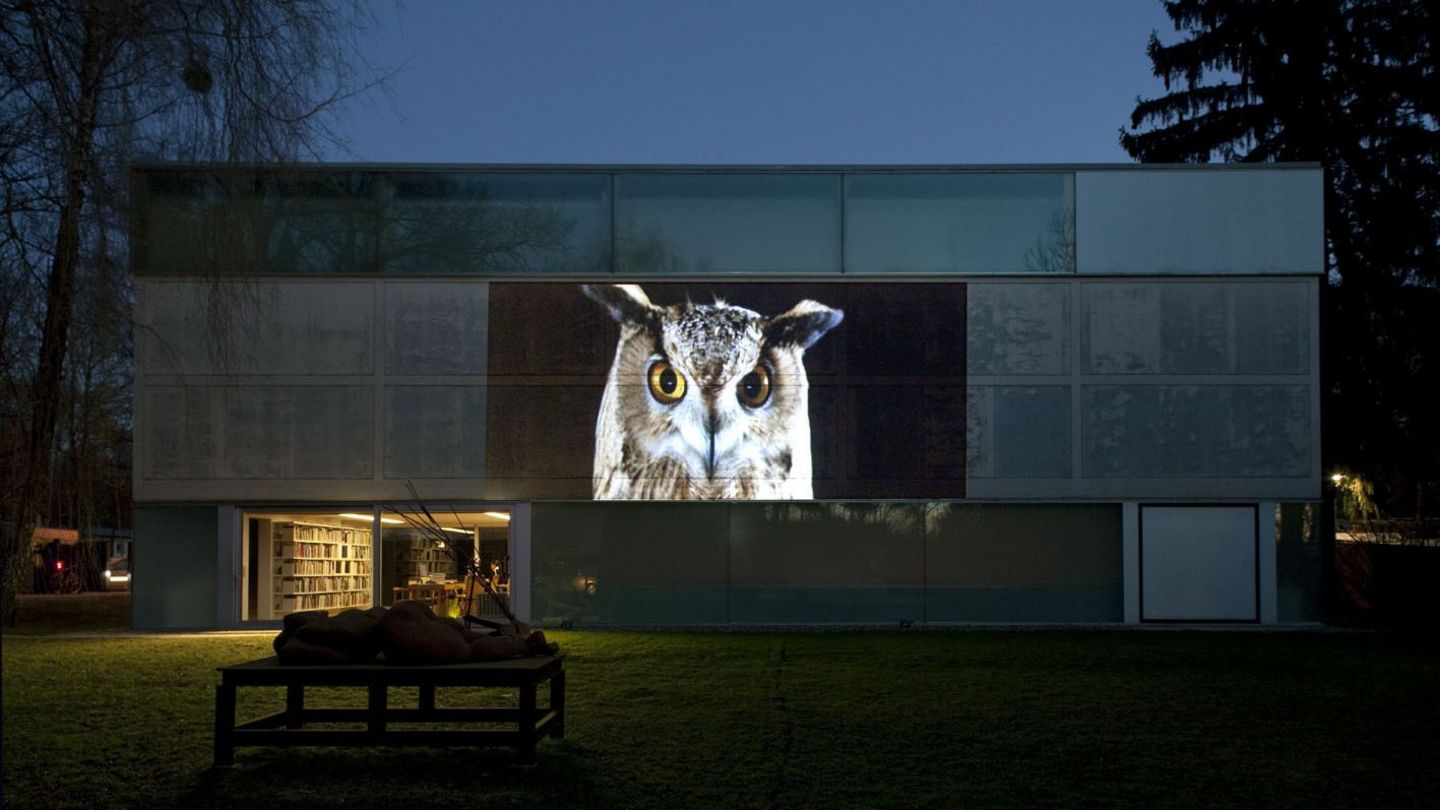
<point>744,81</point>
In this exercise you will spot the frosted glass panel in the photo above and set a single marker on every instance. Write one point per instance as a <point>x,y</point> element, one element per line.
<point>629,563</point>
<point>727,223</point>
<point>932,223</point>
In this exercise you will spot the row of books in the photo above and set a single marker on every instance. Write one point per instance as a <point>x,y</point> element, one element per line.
<point>312,567</point>
<point>289,587</point>
<point>289,603</point>
<point>324,551</point>
<point>304,532</point>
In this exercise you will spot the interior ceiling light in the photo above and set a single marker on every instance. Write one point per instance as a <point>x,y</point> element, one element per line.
<point>456,531</point>
<point>358,516</point>
<point>505,516</point>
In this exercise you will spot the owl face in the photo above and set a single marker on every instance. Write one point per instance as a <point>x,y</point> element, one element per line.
<point>706,401</point>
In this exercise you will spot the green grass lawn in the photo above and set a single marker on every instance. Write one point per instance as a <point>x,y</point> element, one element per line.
<point>763,720</point>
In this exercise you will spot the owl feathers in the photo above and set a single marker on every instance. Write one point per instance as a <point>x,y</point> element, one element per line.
<point>705,401</point>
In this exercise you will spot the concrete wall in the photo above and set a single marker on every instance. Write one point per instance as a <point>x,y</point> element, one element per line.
<point>340,390</point>
<point>1077,388</point>
<point>1122,388</point>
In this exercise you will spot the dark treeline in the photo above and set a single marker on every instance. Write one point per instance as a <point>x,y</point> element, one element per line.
<point>86,88</point>
<point>1354,85</point>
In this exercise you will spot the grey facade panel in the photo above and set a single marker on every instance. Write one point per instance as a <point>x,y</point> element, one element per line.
<point>1195,327</point>
<point>1017,328</point>
<point>295,328</point>
<point>1017,431</point>
<point>334,432</point>
<point>257,434</point>
<point>1199,222</point>
<point>436,328</point>
<point>434,431</point>
<point>1032,432</point>
<point>259,431</point>
<point>1195,431</point>
<point>175,437</point>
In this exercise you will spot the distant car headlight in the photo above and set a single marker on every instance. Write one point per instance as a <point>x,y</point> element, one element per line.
<point>107,573</point>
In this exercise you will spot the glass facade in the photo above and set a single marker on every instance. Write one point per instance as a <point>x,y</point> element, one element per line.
<point>456,330</point>
<point>327,559</point>
<point>825,563</point>
<point>192,220</point>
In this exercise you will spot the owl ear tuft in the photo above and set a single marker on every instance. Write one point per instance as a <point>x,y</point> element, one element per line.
<point>627,303</point>
<point>805,323</point>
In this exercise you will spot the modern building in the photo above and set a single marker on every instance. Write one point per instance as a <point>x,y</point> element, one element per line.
<point>1056,394</point>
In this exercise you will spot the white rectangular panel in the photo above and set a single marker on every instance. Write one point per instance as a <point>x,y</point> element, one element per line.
<point>1198,563</point>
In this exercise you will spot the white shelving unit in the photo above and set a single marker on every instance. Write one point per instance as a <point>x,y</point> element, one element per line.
<point>318,566</point>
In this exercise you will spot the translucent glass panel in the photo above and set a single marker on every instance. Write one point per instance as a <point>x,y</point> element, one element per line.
<point>495,223</point>
<point>727,223</point>
<point>176,568</point>
<point>1024,563</point>
<point>825,563</point>
<point>1298,561</point>
<point>1011,222</point>
<point>629,563</point>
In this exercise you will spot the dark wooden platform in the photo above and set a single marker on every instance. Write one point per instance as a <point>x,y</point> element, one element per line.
<point>287,728</point>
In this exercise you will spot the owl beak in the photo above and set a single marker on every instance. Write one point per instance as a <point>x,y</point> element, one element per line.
<point>712,426</point>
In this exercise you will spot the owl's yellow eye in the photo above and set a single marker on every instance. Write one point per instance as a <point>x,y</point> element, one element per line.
<point>666,384</point>
<point>754,388</point>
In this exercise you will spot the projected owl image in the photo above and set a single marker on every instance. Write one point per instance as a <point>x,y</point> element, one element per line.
<point>705,401</point>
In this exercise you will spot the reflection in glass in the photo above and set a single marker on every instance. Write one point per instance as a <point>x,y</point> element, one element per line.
<point>318,222</point>
<point>452,561</point>
<point>495,223</point>
<point>196,221</point>
<point>727,223</point>
<point>626,563</point>
<point>982,222</point>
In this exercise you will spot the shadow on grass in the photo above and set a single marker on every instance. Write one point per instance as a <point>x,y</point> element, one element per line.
<point>55,614</point>
<point>565,775</point>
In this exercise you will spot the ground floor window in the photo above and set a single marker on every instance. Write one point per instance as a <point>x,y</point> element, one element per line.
<point>457,561</point>
<point>306,561</point>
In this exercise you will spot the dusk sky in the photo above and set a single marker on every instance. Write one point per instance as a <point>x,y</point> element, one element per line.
<point>755,81</point>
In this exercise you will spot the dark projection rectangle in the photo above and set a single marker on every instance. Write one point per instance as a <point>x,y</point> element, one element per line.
<point>886,393</point>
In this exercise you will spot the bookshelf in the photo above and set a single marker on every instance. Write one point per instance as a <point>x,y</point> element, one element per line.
<point>317,566</point>
<point>422,560</point>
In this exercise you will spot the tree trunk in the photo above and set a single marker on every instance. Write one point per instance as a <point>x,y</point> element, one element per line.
<point>45,392</point>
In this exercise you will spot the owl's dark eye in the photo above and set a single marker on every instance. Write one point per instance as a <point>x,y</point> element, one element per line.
<point>666,384</point>
<point>754,388</point>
